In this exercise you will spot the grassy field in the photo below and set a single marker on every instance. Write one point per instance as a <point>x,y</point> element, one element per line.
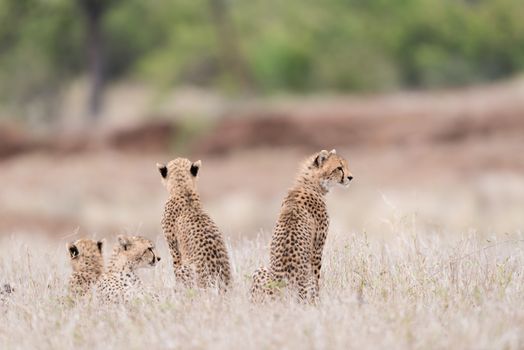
<point>418,290</point>
<point>418,255</point>
<point>425,249</point>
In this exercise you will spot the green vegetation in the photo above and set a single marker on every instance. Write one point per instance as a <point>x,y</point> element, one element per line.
<point>267,46</point>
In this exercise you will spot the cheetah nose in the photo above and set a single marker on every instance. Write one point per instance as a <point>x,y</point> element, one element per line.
<point>157,258</point>
<point>350,178</point>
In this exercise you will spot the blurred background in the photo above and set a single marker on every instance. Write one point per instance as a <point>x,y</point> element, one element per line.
<point>424,97</point>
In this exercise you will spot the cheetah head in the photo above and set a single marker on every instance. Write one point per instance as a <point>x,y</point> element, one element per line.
<point>179,172</point>
<point>85,253</point>
<point>137,251</point>
<point>330,169</point>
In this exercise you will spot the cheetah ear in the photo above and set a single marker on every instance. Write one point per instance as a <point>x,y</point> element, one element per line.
<point>333,151</point>
<point>163,169</point>
<point>73,250</point>
<point>320,158</point>
<point>99,244</point>
<point>195,167</point>
<point>124,242</point>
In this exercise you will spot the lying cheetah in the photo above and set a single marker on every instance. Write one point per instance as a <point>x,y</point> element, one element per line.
<point>299,236</point>
<point>87,263</point>
<point>120,283</point>
<point>197,247</point>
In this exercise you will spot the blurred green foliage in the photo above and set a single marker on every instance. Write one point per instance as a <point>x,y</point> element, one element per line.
<point>292,45</point>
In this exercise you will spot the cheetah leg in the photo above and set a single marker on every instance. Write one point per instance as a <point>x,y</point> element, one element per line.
<point>212,276</point>
<point>263,286</point>
<point>303,287</point>
<point>175,253</point>
<point>303,283</point>
<point>225,280</point>
<point>185,275</point>
<point>203,278</point>
<point>313,290</point>
<point>315,275</point>
<point>307,292</point>
<point>316,262</point>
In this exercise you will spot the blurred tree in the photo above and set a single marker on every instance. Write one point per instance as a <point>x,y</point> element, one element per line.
<point>271,46</point>
<point>94,11</point>
<point>39,52</point>
<point>232,58</point>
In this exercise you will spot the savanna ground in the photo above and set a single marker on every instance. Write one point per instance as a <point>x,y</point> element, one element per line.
<point>420,290</point>
<point>425,248</point>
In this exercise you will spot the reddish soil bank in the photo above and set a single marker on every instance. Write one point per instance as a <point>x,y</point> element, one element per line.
<point>493,114</point>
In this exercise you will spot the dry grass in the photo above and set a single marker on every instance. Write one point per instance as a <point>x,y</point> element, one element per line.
<point>402,266</point>
<point>415,291</point>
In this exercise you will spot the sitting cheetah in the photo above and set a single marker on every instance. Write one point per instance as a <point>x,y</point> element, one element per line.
<point>197,247</point>
<point>301,229</point>
<point>87,263</point>
<point>120,282</point>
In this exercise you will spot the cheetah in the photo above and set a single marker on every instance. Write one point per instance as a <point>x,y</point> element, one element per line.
<point>87,263</point>
<point>120,283</point>
<point>198,250</point>
<point>300,232</point>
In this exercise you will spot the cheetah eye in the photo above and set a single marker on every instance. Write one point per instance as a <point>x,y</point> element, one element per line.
<point>340,168</point>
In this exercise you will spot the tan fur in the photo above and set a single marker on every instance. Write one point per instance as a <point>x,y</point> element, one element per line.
<point>198,250</point>
<point>121,283</point>
<point>87,263</point>
<point>300,233</point>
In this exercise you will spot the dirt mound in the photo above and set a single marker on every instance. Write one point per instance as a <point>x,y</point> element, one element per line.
<point>13,141</point>
<point>153,136</point>
<point>414,119</point>
<point>377,121</point>
<point>282,130</point>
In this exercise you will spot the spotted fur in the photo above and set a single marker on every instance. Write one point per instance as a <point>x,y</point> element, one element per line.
<point>198,250</point>
<point>300,233</point>
<point>87,263</point>
<point>121,283</point>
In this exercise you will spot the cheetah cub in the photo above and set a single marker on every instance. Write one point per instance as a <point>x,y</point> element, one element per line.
<point>121,283</point>
<point>300,232</point>
<point>199,254</point>
<point>87,263</point>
